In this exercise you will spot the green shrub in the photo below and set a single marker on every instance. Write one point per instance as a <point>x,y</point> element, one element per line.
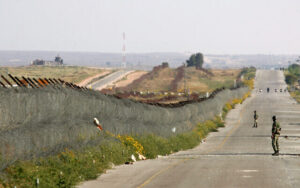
<point>294,69</point>
<point>68,168</point>
<point>290,79</point>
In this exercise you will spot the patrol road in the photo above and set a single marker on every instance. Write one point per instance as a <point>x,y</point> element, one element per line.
<point>236,156</point>
<point>100,84</point>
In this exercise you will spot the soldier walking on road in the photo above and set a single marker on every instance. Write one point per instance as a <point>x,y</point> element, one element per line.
<point>275,136</point>
<point>255,119</point>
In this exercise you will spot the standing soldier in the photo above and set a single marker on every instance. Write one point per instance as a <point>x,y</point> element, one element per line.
<point>255,119</point>
<point>275,136</point>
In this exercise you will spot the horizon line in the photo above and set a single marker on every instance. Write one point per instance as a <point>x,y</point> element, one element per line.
<point>148,52</point>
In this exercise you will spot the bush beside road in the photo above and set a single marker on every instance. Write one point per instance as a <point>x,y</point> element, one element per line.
<point>292,77</point>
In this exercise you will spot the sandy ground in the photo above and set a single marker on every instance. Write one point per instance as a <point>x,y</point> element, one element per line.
<point>86,81</point>
<point>130,78</point>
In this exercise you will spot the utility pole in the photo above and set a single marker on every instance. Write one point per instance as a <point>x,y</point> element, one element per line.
<point>124,53</point>
<point>184,79</point>
<point>186,90</point>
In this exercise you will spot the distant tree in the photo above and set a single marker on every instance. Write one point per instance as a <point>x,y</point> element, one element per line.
<point>165,64</point>
<point>195,60</point>
<point>294,69</point>
<point>291,79</point>
<point>248,72</point>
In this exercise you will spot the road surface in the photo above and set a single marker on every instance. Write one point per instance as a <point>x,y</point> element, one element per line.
<point>100,84</point>
<point>89,79</point>
<point>236,156</point>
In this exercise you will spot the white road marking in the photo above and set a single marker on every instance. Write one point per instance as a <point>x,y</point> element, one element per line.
<point>298,112</point>
<point>287,116</point>
<point>293,147</point>
<point>248,171</point>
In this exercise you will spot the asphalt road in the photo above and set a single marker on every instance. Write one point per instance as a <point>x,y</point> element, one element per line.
<point>236,156</point>
<point>100,84</point>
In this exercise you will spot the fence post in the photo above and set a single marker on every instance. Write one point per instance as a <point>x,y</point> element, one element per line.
<point>6,81</point>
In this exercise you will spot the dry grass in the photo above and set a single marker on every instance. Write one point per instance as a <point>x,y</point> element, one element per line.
<point>196,80</point>
<point>160,81</point>
<point>295,95</point>
<point>229,73</point>
<point>68,73</point>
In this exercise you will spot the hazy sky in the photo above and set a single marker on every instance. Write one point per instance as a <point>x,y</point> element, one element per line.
<point>209,26</point>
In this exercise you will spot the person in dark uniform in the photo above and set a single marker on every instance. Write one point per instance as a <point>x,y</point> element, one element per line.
<point>255,119</point>
<point>275,136</point>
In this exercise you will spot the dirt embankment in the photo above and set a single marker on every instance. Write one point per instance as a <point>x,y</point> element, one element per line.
<point>178,78</point>
<point>165,79</point>
<point>159,79</point>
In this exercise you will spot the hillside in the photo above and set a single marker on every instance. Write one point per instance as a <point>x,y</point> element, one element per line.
<point>167,79</point>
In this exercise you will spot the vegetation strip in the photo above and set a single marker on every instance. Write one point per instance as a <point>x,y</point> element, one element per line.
<point>292,77</point>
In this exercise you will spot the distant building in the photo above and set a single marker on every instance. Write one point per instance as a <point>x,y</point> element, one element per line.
<point>57,61</point>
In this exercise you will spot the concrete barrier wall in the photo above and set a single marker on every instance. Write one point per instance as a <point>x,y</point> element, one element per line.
<point>35,122</point>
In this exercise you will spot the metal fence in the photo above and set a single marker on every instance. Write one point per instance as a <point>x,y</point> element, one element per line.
<point>41,122</point>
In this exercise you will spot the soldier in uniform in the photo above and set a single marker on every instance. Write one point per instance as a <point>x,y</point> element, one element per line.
<point>255,119</point>
<point>275,136</point>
